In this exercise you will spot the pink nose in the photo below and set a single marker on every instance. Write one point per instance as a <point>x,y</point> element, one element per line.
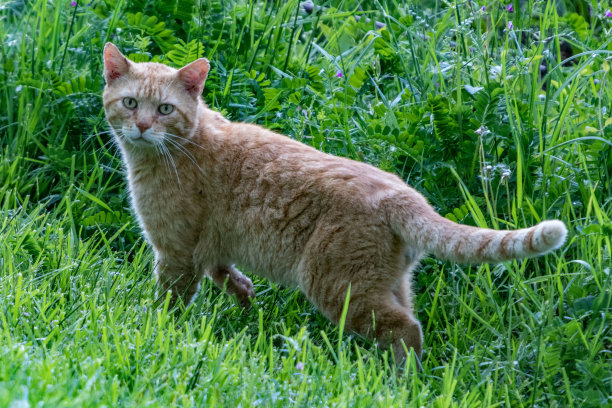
<point>143,126</point>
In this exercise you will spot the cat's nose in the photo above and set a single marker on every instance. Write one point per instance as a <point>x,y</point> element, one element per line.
<point>143,126</point>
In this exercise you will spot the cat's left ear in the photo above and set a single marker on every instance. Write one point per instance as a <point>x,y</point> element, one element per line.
<point>193,76</point>
<point>115,63</point>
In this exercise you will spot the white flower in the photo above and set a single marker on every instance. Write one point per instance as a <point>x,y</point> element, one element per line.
<point>482,131</point>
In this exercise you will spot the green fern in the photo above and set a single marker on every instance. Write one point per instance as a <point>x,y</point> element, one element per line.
<point>163,36</point>
<point>357,78</point>
<point>272,96</point>
<point>488,106</point>
<point>177,9</point>
<point>77,85</point>
<point>184,53</point>
<point>444,125</point>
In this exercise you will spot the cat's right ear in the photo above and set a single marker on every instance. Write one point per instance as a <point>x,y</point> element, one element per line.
<point>194,75</point>
<point>115,63</point>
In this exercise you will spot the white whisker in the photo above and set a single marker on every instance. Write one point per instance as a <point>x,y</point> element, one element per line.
<point>185,152</point>
<point>160,154</point>
<point>184,139</point>
<point>167,153</point>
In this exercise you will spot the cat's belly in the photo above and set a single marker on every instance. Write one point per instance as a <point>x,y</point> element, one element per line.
<point>267,256</point>
<point>268,237</point>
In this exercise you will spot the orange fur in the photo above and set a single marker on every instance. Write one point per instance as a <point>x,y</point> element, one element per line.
<point>209,194</point>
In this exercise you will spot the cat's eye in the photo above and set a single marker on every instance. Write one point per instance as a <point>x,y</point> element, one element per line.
<point>130,103</point>
<point>165,109</point>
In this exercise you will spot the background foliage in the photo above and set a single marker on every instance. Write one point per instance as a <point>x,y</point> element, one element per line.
<point>499,113</point>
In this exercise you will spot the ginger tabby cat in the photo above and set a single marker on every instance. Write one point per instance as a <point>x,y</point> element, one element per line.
<point>209,193</point>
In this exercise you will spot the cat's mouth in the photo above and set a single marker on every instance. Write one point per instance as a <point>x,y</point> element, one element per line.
<point>140,141</point>
<point>134,138</point>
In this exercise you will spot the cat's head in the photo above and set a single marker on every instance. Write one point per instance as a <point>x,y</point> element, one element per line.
<point>149,104</point>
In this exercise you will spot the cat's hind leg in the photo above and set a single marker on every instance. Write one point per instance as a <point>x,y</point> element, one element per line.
<point>390,324</point>
<point>381,315</point>
<point>380,301</point>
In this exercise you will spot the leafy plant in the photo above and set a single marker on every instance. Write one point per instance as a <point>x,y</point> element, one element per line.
<point>499,117</point>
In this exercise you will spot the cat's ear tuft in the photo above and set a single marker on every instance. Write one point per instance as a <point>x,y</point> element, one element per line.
<point>193,76</point>
<point>115,63</point>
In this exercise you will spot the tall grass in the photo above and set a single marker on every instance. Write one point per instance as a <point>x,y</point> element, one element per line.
<point>501,118</point>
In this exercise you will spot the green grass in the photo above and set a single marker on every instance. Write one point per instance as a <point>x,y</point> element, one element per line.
<point>495,126</point>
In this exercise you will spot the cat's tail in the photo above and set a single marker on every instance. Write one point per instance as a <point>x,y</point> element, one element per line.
<point>462,243</point>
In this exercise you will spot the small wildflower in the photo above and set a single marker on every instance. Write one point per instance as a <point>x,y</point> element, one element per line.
<point>299,108</point>
<point>510,8</point>
<point>488,169</point>
<point>144,309</point>
<point>608,13</point>
<point>482,131</point>
<point>299,366</point>
<point>308,6</point>
<point>484,8</point>
<point>339,74</point>
<point>596,81</point>
<point>510,25</point>
<point>73,3</point>
<point>506,174</point>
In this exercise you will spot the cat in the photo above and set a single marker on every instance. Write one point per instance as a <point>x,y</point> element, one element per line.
<point>209,193</point>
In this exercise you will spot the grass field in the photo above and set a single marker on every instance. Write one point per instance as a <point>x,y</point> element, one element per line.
<point>499,113</point>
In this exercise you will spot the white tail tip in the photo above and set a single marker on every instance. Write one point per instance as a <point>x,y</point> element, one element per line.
<point>549,235</point>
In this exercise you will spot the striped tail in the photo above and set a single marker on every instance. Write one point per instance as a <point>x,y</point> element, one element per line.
<point>465,244</point>
<point>461,243</point>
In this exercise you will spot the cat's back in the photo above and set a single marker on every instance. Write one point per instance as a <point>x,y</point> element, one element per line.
<point>263,156</point>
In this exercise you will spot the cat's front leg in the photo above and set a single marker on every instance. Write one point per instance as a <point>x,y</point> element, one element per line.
<point>178,276</point>
<point>233,282</point>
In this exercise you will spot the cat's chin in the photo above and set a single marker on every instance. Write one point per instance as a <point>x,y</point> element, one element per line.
<point>141,142</point>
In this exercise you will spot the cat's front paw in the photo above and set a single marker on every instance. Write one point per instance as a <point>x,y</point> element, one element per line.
<point>234,283</point>
<point>242,287</point>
